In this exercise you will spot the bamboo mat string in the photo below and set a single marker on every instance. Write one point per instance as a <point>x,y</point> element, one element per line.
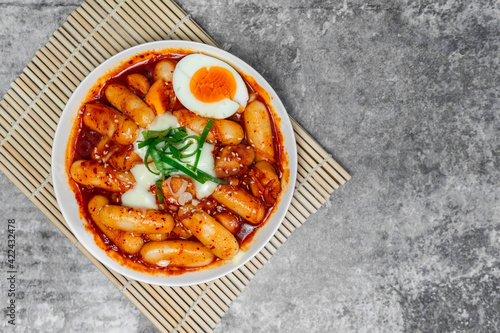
<point>59,70</point>
<point>310,173</point>
<point>187,17</point>
<point>41,185</point>
<point>186,316</point>
<point>125,286</point>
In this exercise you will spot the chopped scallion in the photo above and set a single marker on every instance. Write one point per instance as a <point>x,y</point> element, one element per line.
<point>159,191</point>
<point>166,149</point>
<point>203,137</point>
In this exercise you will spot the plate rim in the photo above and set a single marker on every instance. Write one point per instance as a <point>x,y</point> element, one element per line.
<point>78,97</point>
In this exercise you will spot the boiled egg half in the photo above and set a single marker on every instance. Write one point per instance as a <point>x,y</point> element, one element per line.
<point>209,86</point>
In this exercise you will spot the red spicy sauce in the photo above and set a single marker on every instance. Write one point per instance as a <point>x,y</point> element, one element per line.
<point>85,139</point>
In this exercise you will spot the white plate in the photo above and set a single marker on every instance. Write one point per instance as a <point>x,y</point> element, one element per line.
<point>69,206</point>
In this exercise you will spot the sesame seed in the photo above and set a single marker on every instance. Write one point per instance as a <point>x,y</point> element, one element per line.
<point>235,169</point>
<point>248,147</point>
<point>127,157</point>
<point>116,120</point>
<point>88,114</point>
<point>241,165</point>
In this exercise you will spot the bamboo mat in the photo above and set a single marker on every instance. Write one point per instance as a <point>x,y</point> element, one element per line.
<point>29,113</point>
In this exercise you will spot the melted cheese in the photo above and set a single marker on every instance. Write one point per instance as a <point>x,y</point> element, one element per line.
<point>206,163</point>
<point>140,196</point>
<point>163,121</point>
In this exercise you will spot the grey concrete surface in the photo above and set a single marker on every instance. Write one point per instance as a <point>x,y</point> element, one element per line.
<point>405,95</point>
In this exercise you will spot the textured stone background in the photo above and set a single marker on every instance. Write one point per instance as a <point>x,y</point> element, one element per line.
<point>405,95</point>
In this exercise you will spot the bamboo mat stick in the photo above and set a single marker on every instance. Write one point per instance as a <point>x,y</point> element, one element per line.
<point>30,111</point>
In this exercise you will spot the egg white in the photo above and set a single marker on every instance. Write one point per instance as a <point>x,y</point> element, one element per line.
<point>183,73</point>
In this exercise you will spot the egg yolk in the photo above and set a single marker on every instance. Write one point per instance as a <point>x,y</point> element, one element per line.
<point>213,84</point>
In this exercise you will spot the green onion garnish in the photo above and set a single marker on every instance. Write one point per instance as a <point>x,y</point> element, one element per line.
<point>211,178</point>
<point>202,141</point>
<point>159,192</point>
<point>166,150</point>
<point>147,164</point>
